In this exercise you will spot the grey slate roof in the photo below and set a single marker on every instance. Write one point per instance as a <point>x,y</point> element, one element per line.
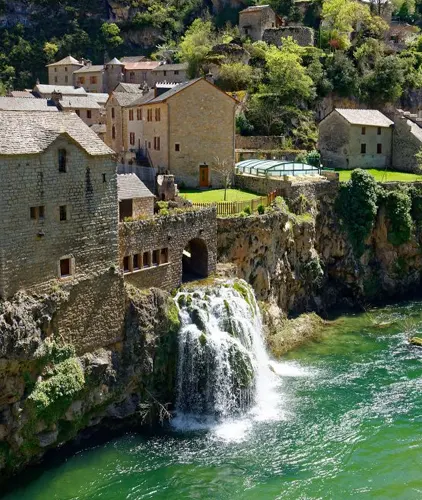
<point>142,99</point>
<point>133,88</point>
<point>79,102</point>
<point>115,61</point>
<point>99,97</point>
<point>22,93</point>
<point>130,187</point>
<point>255,8</point>
<point>172,67</point>
<point>369,117</point>
<point>25,104</point>
<point>65,61</point>
<point>174,90</point>
<point>31,132</point>
<point>124,98</point>
<point>415,130</point>
<point>93,68</point>
<point>99,128</point>
<point>42,88</point>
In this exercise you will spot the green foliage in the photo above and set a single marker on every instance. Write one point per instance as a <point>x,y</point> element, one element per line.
<point>243,126</point>
<point>261,209</point>
<point>53,394</point>
<point>312,271</point>
<point>54,352</point>
<point>357,208</point>
<point>235,76</point>
<point>196,46</point>
<point>398,205</point>
<point>247,210</point>
<point>416,197</point>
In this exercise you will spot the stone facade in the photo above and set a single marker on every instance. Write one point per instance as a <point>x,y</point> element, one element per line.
<point>407,141</point>
<point>115,132</point>
<point>254,20</point>
<point>61,72</point>
<point>302,35</point>
<point>349,145</point>
<point>159,244</point>
<point>91,78</point>
<point>174,73</point>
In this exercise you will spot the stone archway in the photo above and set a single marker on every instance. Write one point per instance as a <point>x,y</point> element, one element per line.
<point>195,260</point>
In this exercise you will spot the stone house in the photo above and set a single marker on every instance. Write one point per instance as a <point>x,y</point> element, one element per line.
<point>86,108</point>
<point>355,138</point>
<point>113,75</point>
<point>407,141</point>
<point>254,20</point>
<point>174,73</point>
<point>185,128</point>
<point>140,72</point>
<point>91,77</point>
<point>61,72</point>
<point>135,199</point>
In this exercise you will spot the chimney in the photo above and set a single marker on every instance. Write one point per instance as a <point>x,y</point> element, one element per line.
<point>56,97</point>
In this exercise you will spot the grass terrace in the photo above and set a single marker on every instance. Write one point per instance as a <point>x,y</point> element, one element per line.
<point>216,195</point>
<point>383,175</point>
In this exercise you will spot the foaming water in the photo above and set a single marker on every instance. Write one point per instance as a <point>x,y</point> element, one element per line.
<point>348,419</point>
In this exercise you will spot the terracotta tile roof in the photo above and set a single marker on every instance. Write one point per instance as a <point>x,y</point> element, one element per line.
<point>25,104</point>
<point>78,102</point>
<point>130,187</point>
<point>370,117</point>
<point>141,65</point>
<point>31,132</point>
<point>66,61</point>
<point>94,68</point>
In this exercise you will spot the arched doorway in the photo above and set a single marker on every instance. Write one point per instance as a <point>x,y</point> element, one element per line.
<point>195,260</point>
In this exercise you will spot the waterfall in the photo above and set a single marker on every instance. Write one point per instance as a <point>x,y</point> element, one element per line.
<point>223,368</point>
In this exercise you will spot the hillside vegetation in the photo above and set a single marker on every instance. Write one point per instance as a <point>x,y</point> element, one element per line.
<point>353,57</point>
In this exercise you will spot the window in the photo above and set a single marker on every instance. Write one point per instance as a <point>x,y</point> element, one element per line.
<point>81,79</point>
<point>93,80</point>
<point>78,112</point>
<point>146,259</point>
<point>139,114</point>
<point>157,114</point>
<point>132,76</point>
<point>177,147</point>
<point>88,114</point>
<point>104,178</point>
<point>126,268</point>
<point>37,213</point>
<point>149,115</point>
<point>363,132</point>
<point>66,79</point>
<point>65,68</point>
<point>164,73</point>
<point>149,145</point>
<point>131,115</point>
<point>136,262</point>
<point>164,255</point>
<point>379,149</point>
<point>113,132</point>
<point>246,31</point>
<point>132,138</point>
<point>55,79</point>
<point>363,148</point>
<point>155,257</point>
<point>65,267</point>
<point>63,212</point>
<point>379,131</point>
<point>112,112</point>
<point>62,160</point>
<point>157,143</point>
<point>55,70</point>
<point>176,71</point>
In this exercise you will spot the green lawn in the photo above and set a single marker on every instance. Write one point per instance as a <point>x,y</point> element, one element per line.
<point>383,175</point>
<point>216,195</point>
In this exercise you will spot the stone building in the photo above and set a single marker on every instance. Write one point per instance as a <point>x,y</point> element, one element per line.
<point>355,138</point>
<point>185,128</point>
<point>135,199</point>
<point>113,74</point>
<point>174,73</point>
<point>91,77</point>
<point>59,222</point>
<point>407,141</point>
<point>61,72</point>
<point>86,108</point>
<point>254,20</point>
<point>140,72</point>
<point>302,35</point>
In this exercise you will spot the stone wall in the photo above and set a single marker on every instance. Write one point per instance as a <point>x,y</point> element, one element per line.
<point>302,35</point>
<point>265,142</point>
<point>407,141</point>
<point>143,206</point>
<point>169,235</point>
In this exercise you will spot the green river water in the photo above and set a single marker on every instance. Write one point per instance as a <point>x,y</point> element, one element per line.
<point>348,425</point>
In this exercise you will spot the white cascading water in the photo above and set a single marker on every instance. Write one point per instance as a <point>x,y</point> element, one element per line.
<point>224,371</point>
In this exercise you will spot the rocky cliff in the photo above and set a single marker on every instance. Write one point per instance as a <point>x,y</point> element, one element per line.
<point>48,393</point>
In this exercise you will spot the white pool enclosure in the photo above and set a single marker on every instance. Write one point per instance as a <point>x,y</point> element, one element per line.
<point>275,168</point>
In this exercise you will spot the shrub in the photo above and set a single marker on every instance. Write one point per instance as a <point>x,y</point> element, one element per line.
<point>261,209</point>
<point>247,210</point>
<point>398,205</point>
<point>357,208</point>
<point>313,158</point>
<point>163,211</point>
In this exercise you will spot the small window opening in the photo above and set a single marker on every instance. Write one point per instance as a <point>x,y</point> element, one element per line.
<point>37,213</point>
<point>177,147</point>
<point>379,149</point>
<point>363,148</point>
<point>164,255</point>
<point>112,112</point>
<point>65,268</point>
<point>126,268</point>
<point>146,259</point>
<point>62,160</point>
<point>363,130</point>
<point>63,212</point>
<point>88,113</point>
<point>136,261</point>
<point>155,257</point>
<point>104,178</point>
<point>379,130</point>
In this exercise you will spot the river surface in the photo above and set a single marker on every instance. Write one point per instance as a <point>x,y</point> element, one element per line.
<point>346,422</point>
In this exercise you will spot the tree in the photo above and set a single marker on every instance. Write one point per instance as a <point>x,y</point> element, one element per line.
<point>50,50</point>
<point>196,45</point>
<point>235,76</point>
<point>342,74</point>
<point>225,170</point>
<point>110,34</point>
<point>385,82</point>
